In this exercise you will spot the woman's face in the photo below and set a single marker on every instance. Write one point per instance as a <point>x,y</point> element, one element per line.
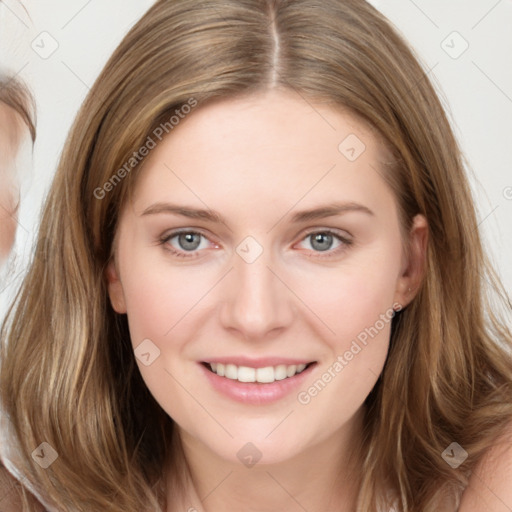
<point>11,132</point>
<point>304,268</point>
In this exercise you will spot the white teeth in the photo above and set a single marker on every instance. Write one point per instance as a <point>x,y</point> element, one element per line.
<point>246,374</point>
<point>262,375</point>
<point>280,372</point>
<point>231,372</point>
<point>290,371</point>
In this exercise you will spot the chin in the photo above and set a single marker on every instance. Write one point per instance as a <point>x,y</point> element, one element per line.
<point>250,450</point>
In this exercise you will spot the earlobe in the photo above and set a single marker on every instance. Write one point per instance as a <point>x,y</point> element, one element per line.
<point>115,288</point>
<point>415,264</point>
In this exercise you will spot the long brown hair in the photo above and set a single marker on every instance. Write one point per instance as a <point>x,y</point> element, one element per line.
<point>68,375</point>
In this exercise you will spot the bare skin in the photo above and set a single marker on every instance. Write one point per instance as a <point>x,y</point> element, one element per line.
<point>12,132</point>
<point>257,161</point>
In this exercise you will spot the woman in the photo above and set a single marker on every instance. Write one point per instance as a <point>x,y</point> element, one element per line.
<point>260,281</point>
<point>16,126</point>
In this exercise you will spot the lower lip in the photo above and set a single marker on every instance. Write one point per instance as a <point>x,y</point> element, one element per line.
<point>256,393</point>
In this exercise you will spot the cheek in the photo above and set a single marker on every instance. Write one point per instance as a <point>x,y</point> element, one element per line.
<point>355,302</point>
<point>155,291</point>
<point>351,297</point>
<point>360,316</point>
<point>158,300</point>
<point>360,313</point>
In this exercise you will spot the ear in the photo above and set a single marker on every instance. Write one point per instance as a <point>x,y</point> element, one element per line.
<point>414,264</point>
<point>115,287</point>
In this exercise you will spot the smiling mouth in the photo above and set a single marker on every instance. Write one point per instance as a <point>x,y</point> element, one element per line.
<point>264,375</point>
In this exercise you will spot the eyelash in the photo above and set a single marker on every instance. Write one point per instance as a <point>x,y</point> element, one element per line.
<point>183,254</point>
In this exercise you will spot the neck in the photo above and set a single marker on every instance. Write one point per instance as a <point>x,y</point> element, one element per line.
<point>325,477</point>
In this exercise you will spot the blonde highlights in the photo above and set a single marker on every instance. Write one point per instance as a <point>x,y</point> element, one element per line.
<point>68,374</point>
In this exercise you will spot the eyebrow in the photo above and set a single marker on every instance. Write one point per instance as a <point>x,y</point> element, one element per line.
<point>329,210</point>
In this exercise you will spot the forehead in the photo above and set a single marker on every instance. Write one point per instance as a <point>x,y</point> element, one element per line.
<point>269,149</point>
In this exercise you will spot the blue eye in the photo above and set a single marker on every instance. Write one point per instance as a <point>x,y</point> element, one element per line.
<point>188,242</point>
<point>322,241</point>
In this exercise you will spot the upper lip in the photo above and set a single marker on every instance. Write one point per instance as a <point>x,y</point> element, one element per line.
<point>261,362</point>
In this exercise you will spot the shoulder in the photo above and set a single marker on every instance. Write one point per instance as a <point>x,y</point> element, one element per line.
<point>490,484</point>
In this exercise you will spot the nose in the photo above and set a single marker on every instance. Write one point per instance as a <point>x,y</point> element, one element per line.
<point>257,301</point>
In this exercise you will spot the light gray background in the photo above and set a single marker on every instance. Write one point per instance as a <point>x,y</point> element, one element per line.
<point>475,86</point>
